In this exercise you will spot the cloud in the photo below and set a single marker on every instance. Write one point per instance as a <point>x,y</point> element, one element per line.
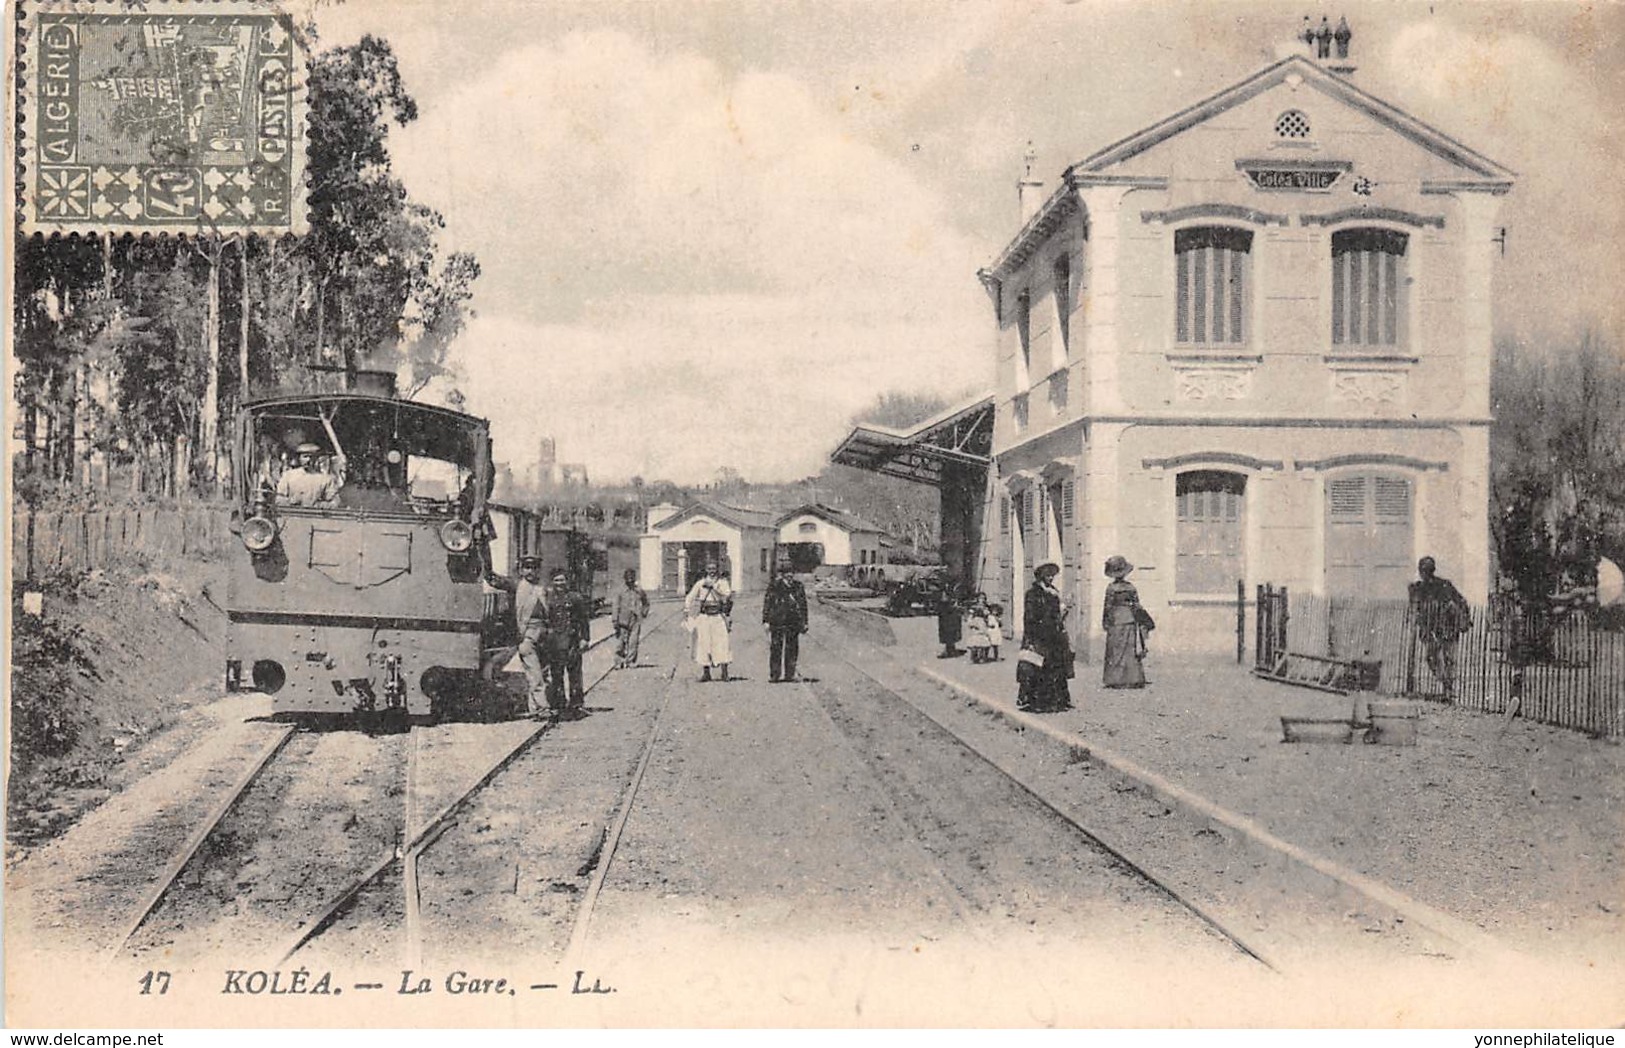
<point>592,167</point>
<point>1517,99</point>
<point>684,269</point>
<point>665,389</point>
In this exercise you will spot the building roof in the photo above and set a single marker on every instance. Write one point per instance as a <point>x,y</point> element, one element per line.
<point>734,515</point>
<point>961,435</point>
<point>1316,76</point>
<point>839,517</point>
<point>1481,174</point>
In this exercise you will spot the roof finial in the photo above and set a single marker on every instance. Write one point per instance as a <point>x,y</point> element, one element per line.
<point>1030,189</point>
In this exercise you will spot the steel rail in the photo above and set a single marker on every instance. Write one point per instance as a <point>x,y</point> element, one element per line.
<point>1139,869</point>
<point>606,854</point>
<point>444,820</point>
<point>412,844</point>
<point>189,848</point>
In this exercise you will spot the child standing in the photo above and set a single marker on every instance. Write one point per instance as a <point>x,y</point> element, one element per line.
<point>995,631</point>
<point>977,638</point>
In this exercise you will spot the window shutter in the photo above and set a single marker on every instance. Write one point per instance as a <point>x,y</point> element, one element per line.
<point>1393,497</point>
<point>1208,536</point>
<point>1211,284</point>
<point>1062,274</point>
<point>1346,498</point>
<point>1368,276</point>
<point>1199,334</point>
<point>1182,320</point>
<point>1067,506</point>
<point>1004,514</point>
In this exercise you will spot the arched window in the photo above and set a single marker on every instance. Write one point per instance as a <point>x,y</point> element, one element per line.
<point>1208,535</point>
<point>1212,279</point>
<point>1368,287</point>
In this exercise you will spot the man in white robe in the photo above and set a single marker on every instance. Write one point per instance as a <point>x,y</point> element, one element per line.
<point>707,608</point>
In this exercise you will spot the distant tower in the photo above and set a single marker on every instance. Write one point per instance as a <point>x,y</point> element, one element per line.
<point>547,460</point>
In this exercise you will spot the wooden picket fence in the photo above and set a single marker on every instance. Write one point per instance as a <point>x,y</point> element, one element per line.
<point>1561,668</point>
<point>46,541</point>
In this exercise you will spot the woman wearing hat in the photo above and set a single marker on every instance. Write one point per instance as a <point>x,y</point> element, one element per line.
<point>1122,619</point>
<point>1045,662</point>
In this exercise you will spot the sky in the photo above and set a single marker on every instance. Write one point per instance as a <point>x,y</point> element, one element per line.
<point>711,232</point>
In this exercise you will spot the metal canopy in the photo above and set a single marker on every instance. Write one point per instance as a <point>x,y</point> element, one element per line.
<point>962,435</point>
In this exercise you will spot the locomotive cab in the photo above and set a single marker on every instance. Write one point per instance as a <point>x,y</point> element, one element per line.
<point>364,535</point>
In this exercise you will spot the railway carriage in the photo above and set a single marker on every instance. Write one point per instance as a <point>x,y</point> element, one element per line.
<point>518,532</point>
<point>370,598</point>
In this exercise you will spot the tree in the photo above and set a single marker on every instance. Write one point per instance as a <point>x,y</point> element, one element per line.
<point>161,378</point>
<point>1558,455</point>
<point>904,509</point>
<point>366,286</point>
<point>55,277</point>
<point>442,311</point>
<point>365,245</point>
<point>900,410</point>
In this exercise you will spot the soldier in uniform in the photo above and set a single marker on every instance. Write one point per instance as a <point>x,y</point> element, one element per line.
<point>784,612</point>
<point>308,485</point>
<point>631,608</point>
<point>566,621</point>
<point>707,608</point>
<point>529,601</point>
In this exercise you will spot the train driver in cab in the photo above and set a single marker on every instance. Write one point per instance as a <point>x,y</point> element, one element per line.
<point>309,484</point>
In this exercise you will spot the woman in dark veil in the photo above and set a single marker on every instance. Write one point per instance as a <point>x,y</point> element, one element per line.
<point>1045,661</point>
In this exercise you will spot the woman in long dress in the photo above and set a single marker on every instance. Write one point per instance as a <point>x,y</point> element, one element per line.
<point>1121,621</point>
<point>949,623</point>
<point>1042,687</point>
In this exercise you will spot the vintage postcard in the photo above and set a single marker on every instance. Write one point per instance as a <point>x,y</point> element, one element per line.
<point>740,514</point>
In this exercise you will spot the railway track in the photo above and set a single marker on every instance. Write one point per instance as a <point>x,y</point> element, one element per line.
<point>889,685</point>
<point>963,905</point>
<point>216,840</point>
<point>425,818</point>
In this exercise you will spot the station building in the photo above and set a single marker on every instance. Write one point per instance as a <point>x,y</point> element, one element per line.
<point>1249,343</point>
<point>817,536</point>
<point>679,541</point>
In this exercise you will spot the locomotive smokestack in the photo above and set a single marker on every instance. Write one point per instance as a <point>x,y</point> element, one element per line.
<point>372,383</point>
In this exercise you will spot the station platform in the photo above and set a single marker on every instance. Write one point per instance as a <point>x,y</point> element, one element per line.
<point>1513,829</point>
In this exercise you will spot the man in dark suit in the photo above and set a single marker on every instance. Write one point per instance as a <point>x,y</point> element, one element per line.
<point>784,612</point>
<point>1441,615</point>
<point>566,623</point>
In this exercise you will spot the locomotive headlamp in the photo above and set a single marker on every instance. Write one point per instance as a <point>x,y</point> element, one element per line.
<point>258,533</point>
<point>456,536</point>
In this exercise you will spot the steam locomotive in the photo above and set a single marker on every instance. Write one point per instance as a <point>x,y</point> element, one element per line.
<point>367,534</point>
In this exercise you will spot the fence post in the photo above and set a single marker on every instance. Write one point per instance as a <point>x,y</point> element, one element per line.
<point>1241,620</point>
<point>28,548</point>
<point>1284,610</point>
<point>1260,653</point>
<point>1409,648</point>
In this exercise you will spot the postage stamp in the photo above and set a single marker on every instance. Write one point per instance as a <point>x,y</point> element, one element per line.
<point>170,116</point>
